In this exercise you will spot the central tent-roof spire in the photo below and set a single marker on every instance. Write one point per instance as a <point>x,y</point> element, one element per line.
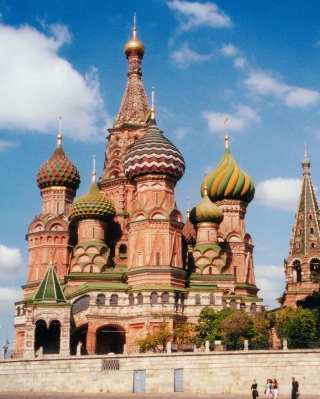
<point>134,109</point>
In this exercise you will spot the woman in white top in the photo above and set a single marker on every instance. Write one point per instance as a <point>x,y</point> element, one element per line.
<point>275,388</point>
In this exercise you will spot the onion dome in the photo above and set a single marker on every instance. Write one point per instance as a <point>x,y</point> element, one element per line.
<point>154,154</point>
<point>93,205</point>
<point>134,45</point>
<point>228,181</point>
<point>206,211</point>
<point>58,171</point>
<point>189,232</point>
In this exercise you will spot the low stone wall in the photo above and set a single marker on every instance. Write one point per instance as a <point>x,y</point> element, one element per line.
<point>205,373</point>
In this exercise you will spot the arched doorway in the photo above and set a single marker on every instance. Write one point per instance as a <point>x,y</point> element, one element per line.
<point>47,338</point>
<point>79,335</point>
<point>110,338</point>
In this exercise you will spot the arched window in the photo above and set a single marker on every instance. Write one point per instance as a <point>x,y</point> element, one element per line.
<point>158,259</point>
<point>296,271</point>
<point>114,300</point>
<point>91,269</point>
<point>211,299</point>
<point>311,230</point>
<point>210,270</point>
<point>253,307</point>
<point>310,217</point>
<point>123,249</point>
<point>131,299</point>
<point>165,297</point>
<point>140,298</point>
<point>242,307</point>
<point>235,272</point>
<point>315,265</point>
<point>224,303</point>
<point>233,304</point>
<point>154,298</point>
<point>197,299</point>
<point>101,299</point>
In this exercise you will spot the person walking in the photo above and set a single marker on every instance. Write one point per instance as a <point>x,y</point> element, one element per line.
<point>295,389</point>
<point>275,388</point>
<point>267,388</point>
<point>254,389</point>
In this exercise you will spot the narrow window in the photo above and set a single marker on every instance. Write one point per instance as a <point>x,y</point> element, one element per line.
<point>140,298</point>
<point>158,259</point>
<point>131,299</point>
<point>197,300</point>
<point>210,270</point>
<point>154,298</point>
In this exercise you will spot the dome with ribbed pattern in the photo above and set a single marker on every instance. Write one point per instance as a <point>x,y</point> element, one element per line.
<point>93,205</point>
<point>58,170</point>
<point>154,154</point>
<point>206,212</point>
<point>228,181</point>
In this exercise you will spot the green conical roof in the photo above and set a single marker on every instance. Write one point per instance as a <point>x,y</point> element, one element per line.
<point>49,289</point>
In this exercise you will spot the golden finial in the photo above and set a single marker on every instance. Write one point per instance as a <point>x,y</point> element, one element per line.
<point>227,133</point>
<point>59,137</point>
<point>205,189</point>
<point>134,45</point>
<point>188,207</point>
<point>94,169</point>
<point>153,110</point>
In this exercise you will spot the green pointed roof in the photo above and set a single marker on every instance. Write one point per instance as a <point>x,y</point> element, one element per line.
<point>49,289</point>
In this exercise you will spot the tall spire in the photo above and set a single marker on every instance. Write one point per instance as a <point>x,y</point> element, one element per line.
<point>94,169</point>
<point>134,109</point>
<point>306,233</point>
<point>60,134</point>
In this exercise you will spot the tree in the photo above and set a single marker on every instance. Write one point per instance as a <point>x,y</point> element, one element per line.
<point>236,328</point>
<point>297,326</point>
<point>153,340</point>
<point>209,326</point>
<point>183,332</point>
<point>261,329</point>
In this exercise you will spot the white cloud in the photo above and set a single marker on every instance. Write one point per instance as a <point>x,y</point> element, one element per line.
<point>11,263</point>
<point>194,14</point>
<point>181,132</point>
<point>6,144</point>
<point>229,50</point>
<point>38,86</point>
<point>293,96</point>
<point>270,280</point>
<point>185,56</point>
<point>239,62</point>
<point>236,122</point>
<point>281,194</point>
<point>8,296</point>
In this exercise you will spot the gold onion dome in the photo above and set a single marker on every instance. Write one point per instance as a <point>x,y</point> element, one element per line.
<point>134,45</point>
<point>58,170</point>
<point>228,181</point>
<point>206,211</point>
<point>93,205</point>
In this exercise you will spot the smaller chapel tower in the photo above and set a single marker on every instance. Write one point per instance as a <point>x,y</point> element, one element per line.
<point>302,267</point>
<point>49,235</point>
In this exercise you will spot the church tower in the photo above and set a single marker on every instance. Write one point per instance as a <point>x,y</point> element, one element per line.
<point>232,190</point>
<point>154,165</point>
<point>129,125</point>
<point>50,236</point>
<point>302,266</point>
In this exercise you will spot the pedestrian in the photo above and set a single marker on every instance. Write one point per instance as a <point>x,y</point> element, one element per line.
<point>275,388</point>
<point>254,389</point>
<point>295,389</point>
<point>267,388</point>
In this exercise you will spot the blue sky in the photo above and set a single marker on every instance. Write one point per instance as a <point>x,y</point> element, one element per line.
<point>255,62</point>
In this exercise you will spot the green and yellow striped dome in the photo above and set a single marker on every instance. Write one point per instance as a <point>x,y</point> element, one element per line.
<point>93,205</point>
<point>228,181</point>
<point>206,212</point>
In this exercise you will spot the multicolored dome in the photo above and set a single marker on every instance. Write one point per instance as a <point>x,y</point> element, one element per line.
<point>155,154</point>
<point>206,212</point>
<point>58,171</point>
<point>92,205</point>
<point>228,181</point>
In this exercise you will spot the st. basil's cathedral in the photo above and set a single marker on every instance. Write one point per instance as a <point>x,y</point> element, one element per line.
<point>107,268</point>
